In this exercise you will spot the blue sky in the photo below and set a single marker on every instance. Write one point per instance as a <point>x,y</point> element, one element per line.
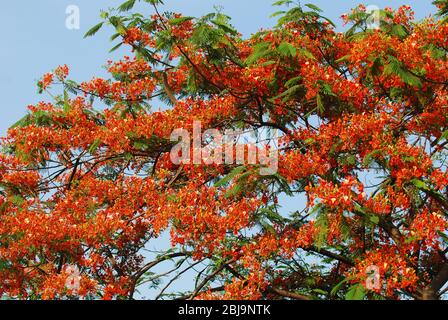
<point>35,40</point>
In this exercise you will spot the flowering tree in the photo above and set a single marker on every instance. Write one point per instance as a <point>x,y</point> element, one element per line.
<point>87,180</point>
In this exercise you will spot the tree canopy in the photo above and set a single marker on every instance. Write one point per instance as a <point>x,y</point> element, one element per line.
<point>87,181</point>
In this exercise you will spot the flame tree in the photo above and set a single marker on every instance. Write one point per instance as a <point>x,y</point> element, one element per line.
<point>86,180</point>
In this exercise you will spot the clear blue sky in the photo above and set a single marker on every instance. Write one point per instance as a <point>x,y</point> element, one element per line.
<point>35,40</point>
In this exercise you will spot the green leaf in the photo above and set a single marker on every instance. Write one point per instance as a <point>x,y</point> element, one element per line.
<point>443,7</point>
<point>288,94</point>
<point>320,105</point>
<point>436,52</point>
<point>116,47</point>
<point>227,28</point>
<point>114,36</point>
<point>230,176</point>
<point>348,160</point>
<point>94,146</point>
<point>375,70</point>
<point>443,235</point>
<point>356,292</point>
<point>396,92</point>
<point>419,184</point>
<point>410,79</point>
<point>140,145</point>
<point>272,215</point>
<point>67,106</point>
<point>292,81</point>
<point>394,67</point>
<point>40,88</point>
<point>338,287</point>
<point>25,121</point>
<point>278,13</point>
<point>154,1</point>
<point>444,135</point>
<point>284,185</point>
<point>320,291</point>
<point>313,7</point>
<point>399,31</point>
<point>310,141</point>
<point>326,89</point>
<point>408,159</point>
<point>321,224</point>
<point>260,50</point>
<point>282,2</point>
<point>177,21</point>
<point>118,24</point>
<point>128,5</point>
<point>234,191</point>
<point>267,227</point>
<point>17,200</point>
<point>307,54</point>
<point>93,30</point>
<point>374,219</point>
<point>368,159</point>
<point>268,63</point>
<point>128,156</point>
<point>287,49</point>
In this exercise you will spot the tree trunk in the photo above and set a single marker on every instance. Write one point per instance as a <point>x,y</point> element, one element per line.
<point>430,292</point>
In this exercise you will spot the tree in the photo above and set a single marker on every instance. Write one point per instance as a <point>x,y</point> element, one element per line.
<point>87,181</point>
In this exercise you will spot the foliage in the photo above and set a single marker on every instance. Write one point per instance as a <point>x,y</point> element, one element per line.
<point>86,179</point>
